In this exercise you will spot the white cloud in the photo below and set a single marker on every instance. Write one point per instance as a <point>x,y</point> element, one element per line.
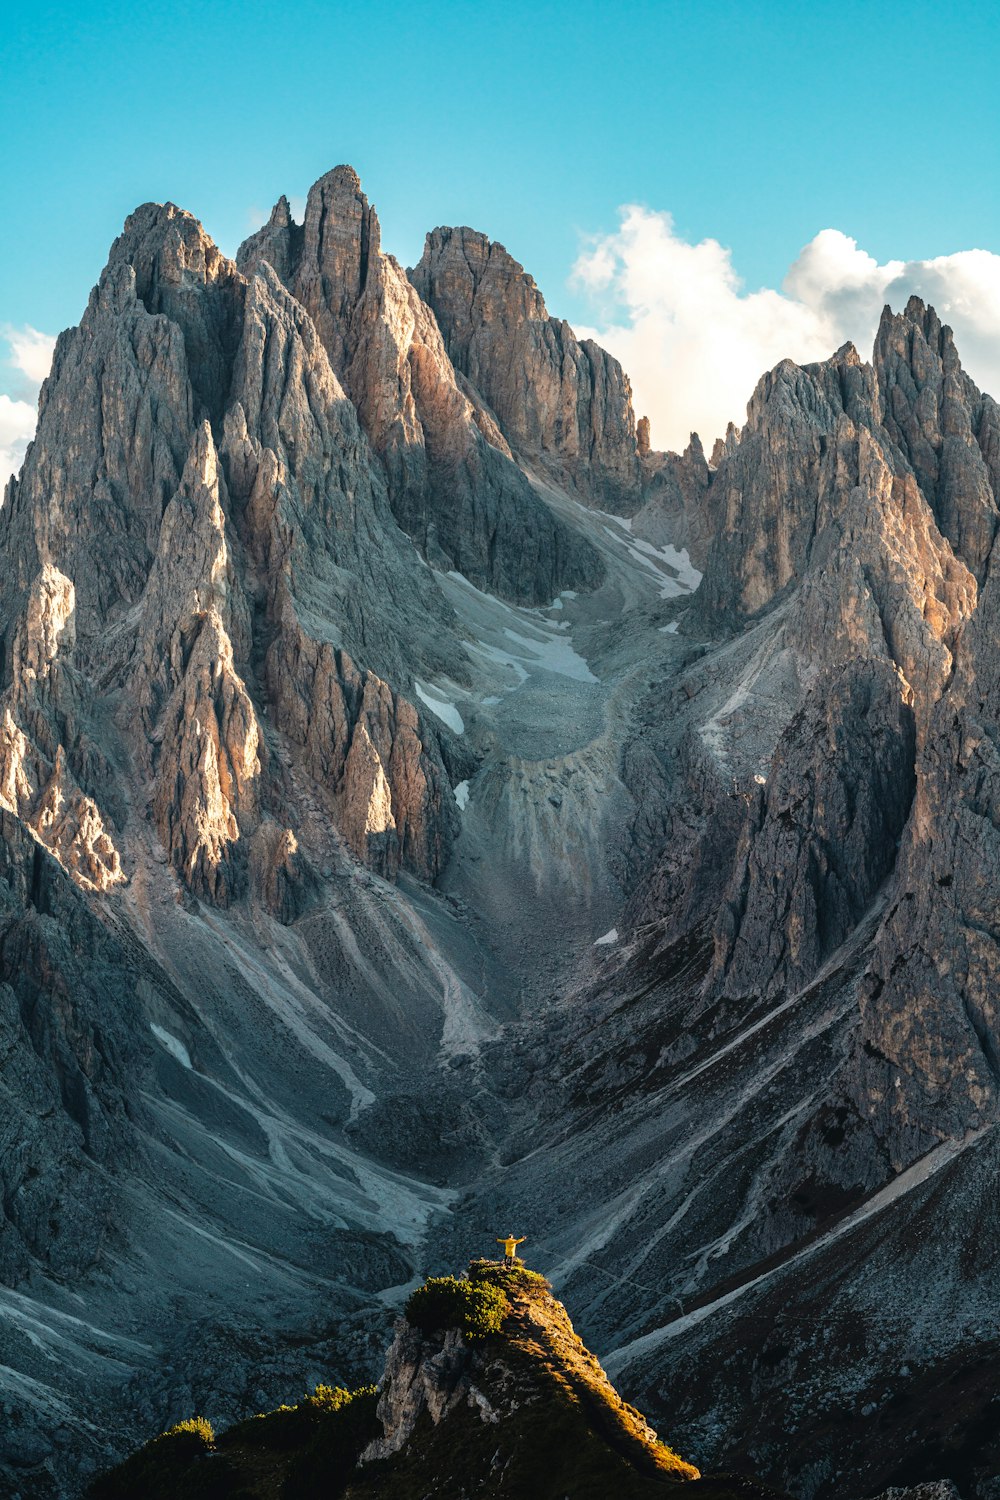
<point>17,427</point>
<point>30,351</point>
<point>695,342</point>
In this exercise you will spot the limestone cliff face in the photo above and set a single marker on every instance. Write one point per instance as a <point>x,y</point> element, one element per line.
<point>70,1078</point>
<point>815,498</point>
<point>877,619</point>
<point>200,504</point>
<point>928,1063</point>
<point>370,747</point>
<point>947,429</point>
<point>880,512</point>
<point>775,491</point>
<point>452,483</point>
<point>44,744</point>
<point>822,836</point>
<point>564,405</point>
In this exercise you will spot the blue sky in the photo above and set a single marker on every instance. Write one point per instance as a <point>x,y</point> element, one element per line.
<point>756,125</point>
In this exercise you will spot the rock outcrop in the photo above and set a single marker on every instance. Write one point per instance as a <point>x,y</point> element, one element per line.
<point>947,429</point>
<point>565,406</point>
<point>194,581</point>
<point>452,482</point>
<point>471,1411</point>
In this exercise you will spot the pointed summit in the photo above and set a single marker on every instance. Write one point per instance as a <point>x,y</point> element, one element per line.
<point>565,405</point>
<point>945,427</point>
<point>452,482</point>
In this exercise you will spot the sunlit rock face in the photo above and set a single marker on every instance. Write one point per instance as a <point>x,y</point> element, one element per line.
<point>947,429</point>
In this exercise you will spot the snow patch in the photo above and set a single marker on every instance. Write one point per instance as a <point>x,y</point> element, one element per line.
<point>555,654</point>
<point>462,795</point>
<point>502,659</point>
<point>446,711</point>
<point>611,936</point>
<point>674,570</point>
<point>670,629</point>
<point>173,1044</point>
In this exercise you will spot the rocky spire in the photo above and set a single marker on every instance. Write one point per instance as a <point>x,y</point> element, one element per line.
<point>451,480</point>
<point>149,557</point>
<point>945,427</point>
<point>564,405</point>
<point>775,490</point>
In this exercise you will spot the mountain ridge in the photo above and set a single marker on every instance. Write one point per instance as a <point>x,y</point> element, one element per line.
<point>418,809</point>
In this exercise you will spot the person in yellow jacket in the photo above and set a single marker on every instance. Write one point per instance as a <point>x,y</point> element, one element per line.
<point>510,1245</point>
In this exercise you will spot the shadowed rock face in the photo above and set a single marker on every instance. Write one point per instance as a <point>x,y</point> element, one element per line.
<point>928,1061</point>
<point>823,836</point>
<point>73,1067</point>
<point>562,404</point>
<point>451,480</point>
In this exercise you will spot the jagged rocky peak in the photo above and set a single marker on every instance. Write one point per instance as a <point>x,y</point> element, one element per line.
<point>776,488</point>
<point>723,447</point>
<point>564,405</point>
<point>199,508</point>
<point>452,482</point>
<point>179,271</point>
<point>816,498</point>
<point>812,430</point>
<point>946,428</point>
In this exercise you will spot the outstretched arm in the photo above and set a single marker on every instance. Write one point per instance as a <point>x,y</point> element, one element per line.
<point>520,1241</point>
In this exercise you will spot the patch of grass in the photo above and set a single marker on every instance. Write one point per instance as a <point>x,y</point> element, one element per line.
<point>158,1470</point>
<point>476,1308</point>
<point>509,1278</point>
<point>344,1430</point>
<point>309,1449</point>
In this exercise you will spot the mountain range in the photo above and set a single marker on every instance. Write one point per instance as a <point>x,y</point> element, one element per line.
<point>428,810</point>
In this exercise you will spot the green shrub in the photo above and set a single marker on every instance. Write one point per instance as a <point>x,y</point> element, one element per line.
<point>199,1427</point>
<point>476,1308</point>
<point>347,1424</point>
<point>290,1427</point>
<point>160,1467</point>
<point>330,1398</point>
